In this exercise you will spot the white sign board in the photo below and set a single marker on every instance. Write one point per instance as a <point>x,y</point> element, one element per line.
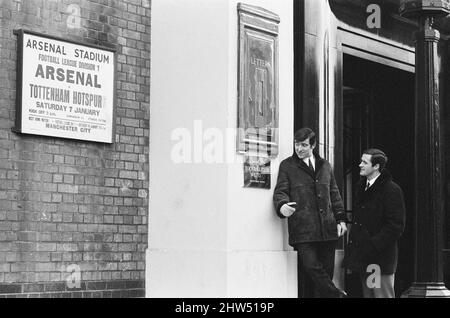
<point>65,89</point>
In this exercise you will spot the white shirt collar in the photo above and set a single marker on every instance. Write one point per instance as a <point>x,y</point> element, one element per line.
<point>371,182</point>
<point>313,160</point>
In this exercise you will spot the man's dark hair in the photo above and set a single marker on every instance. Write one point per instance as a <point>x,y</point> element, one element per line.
<point>305,133</point>
<point>378,157</point>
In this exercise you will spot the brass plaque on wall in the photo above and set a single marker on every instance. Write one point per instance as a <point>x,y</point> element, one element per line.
<point>258,81</point>
<point>256,172</point>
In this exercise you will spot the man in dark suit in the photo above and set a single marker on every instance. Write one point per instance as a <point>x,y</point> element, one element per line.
<point>378,223</point>
<point>306,193</point>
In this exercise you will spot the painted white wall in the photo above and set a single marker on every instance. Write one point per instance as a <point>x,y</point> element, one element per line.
<point>258,261</point>
<point>209,236</point>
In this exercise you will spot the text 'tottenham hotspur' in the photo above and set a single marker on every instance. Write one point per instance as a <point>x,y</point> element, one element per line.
<point>64,96</point>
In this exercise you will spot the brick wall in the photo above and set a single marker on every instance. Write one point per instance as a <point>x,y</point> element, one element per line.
<point>65,204</point>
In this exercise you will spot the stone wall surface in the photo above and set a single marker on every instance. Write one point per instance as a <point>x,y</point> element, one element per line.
<point>73,214</point>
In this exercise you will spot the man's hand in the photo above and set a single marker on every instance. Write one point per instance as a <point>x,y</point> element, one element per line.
<point>287,210</point>
<point>341,229</point>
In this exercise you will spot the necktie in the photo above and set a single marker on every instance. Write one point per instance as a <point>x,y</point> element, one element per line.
<point>310,165</point>
<point>367,185</point>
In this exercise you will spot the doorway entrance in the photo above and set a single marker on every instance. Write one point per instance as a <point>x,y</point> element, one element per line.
<point>378,112</point>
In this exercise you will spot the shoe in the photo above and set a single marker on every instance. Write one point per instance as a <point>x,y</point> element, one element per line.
<point>342,294</point>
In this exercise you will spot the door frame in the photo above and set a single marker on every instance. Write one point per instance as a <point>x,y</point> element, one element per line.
<point>367,46</point>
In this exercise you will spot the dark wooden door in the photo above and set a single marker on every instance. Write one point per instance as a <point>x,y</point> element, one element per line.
<point>378,112</point>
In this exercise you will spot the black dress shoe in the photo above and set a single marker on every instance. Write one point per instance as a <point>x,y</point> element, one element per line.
<point>342,294</point>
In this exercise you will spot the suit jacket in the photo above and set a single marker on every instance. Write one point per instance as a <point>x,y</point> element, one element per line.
<point>319,204</point>
<point>378,223</point>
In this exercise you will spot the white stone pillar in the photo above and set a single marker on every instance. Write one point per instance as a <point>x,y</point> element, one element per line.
<point>209,236</point>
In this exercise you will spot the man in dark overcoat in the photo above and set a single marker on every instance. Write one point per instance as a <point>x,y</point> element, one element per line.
<point>378,223</point>
<point>306,193</point>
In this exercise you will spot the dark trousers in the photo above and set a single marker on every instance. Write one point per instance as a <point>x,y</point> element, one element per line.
<point>384,290</point>
<point>317,260</point>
